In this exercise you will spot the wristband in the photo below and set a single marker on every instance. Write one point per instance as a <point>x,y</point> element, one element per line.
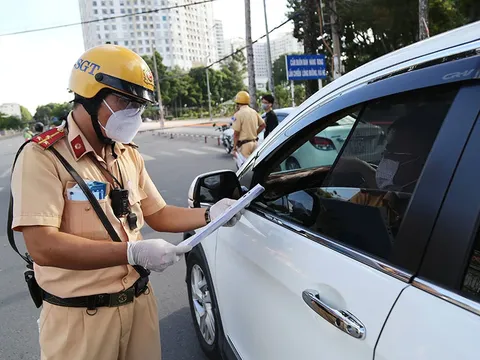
<point>207,216</point>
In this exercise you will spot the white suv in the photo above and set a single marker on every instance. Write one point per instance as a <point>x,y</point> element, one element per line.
<point>373,253</point>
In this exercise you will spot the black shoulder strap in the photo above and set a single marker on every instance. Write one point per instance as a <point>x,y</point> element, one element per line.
<point>96,206</point>
<point>86,190</point>
<point>10,232</point>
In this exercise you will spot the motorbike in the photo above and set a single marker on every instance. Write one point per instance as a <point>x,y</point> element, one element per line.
<point>226,136</point>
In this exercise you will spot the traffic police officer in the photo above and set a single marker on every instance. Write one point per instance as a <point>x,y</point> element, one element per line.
<point>247,125</point>
<point>89,311</point>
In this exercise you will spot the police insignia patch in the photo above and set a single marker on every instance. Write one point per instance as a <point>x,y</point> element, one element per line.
<point>148,77</point>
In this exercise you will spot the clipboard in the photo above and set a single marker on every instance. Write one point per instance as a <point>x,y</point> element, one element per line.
<point>241,204</point>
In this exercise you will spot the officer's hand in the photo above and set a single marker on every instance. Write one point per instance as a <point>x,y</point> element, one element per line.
<point>220,207</point>
<point>155,254</point>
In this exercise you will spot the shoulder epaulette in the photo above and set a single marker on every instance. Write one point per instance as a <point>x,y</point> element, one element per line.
<point>49,137</point>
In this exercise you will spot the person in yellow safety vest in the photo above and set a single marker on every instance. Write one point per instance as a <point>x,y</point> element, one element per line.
<point>247,124</point>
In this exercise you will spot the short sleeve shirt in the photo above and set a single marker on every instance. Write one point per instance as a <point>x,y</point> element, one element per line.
<point>247,122</point>
<point>39,188</point>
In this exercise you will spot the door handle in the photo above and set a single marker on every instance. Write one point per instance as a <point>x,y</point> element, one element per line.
<point>341,319</point>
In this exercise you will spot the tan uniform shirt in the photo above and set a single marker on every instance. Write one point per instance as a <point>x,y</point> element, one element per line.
<point>39,184</point>
<point>247,122</point>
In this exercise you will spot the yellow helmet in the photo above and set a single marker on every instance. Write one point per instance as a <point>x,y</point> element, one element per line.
<point>112,67</point>
<point>242,98</point>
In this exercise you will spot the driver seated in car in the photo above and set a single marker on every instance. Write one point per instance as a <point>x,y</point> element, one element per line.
<point>409,140</point>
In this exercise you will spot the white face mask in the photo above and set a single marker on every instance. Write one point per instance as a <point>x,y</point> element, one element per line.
<point>385,173</point>
<point>123,125</point>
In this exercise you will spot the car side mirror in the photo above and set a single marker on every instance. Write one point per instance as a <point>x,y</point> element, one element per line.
<point>211,187</point>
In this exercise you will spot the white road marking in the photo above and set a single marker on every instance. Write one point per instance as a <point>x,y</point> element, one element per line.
<point>211,148</point>
<point>147,157</point>
<point>166,153</point>
<point>5,173</point>
<point>191,151</point>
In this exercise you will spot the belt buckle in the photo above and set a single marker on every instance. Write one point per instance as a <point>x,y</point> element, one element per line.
<point>122,298</point>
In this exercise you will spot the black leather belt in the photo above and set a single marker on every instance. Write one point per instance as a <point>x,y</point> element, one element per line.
<point>243,142</point>
<point>92,302</point>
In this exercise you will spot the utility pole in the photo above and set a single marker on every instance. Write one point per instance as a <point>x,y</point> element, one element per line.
<point>271,85</point>
<point>423,19</point>
<point>337,50</point>
<point>157,85</point>
<point>208,90</point>
<point>252,88</point>
<point>209,96</point>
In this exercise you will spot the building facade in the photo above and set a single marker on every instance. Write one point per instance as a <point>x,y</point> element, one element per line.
<point>11,109</point>
<point>219,39</point>
<point>184,36</point>
<point>281,45</point>
<point>260,62</point>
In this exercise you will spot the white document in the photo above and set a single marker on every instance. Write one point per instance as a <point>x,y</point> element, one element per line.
<point>241,204</point>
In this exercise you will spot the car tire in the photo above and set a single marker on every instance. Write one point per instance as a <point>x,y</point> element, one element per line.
<point>292,164</point>
<point>201,299</point>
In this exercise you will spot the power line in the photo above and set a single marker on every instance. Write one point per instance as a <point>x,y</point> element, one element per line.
<point>107,18</point>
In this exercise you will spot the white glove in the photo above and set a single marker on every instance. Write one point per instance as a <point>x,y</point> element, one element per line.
<point>155,254</point>
<point>220,207</point>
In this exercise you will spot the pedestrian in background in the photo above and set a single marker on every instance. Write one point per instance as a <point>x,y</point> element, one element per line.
<point>271,119</point>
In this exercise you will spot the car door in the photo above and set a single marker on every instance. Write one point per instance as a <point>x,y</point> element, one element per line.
<point>439,315</point>
<point>310,273</point>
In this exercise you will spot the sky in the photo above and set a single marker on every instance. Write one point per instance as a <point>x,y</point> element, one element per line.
<point>35,67</point>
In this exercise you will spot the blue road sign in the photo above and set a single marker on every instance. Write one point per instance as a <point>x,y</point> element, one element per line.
<point>305,67</point>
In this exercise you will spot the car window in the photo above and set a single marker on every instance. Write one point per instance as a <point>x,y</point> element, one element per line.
<point>281,116</point>
<point>350,177</point>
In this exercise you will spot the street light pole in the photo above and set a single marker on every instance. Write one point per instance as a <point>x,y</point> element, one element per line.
<point>269,53</point>
<point>209,96</point>
<point>157,85</point>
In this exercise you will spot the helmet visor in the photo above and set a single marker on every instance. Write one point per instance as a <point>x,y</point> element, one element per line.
<point>125,86</point>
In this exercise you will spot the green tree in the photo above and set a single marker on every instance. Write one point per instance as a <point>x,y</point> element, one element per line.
<point>10,122</point>
<point>234,71</point>
<point>26,116</point>
<point>372,28</point>
<point>279,71</point>
<point>46,113</point>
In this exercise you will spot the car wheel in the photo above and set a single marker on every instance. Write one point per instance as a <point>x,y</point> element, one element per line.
<point>203,307</point>
<point>292,164</point>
